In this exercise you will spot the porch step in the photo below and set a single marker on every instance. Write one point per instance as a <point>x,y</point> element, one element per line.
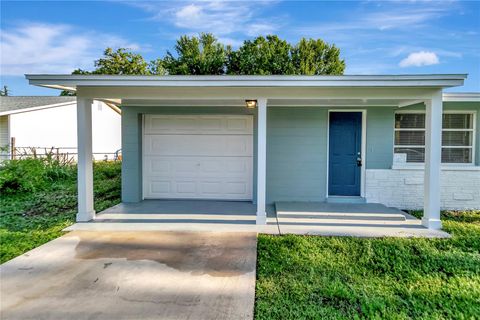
<point>343,199</point>
<point>344,223</point>
<point>312,212</point>
<point>340,216</point>
<point>174,218</point>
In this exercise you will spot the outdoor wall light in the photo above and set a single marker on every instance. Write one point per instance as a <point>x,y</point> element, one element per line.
<point>251,104</point>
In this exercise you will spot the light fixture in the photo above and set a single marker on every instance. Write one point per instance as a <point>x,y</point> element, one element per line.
<point>251,104</point>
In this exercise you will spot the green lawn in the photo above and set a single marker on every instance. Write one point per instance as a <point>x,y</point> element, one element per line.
<point>299,277</point>
<point>306,277</point>
<point>34,212</point>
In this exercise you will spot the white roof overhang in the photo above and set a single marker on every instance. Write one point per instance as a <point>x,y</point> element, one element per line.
<point>461,97</point>
<point>348,90</point>
<point>74,81</point>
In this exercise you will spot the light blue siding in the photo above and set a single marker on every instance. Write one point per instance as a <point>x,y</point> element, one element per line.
<point>296,146</point>
<point>380,122</point>
<point>296,157</point>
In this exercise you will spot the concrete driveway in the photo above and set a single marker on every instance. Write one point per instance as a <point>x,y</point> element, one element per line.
<point>133,275</point>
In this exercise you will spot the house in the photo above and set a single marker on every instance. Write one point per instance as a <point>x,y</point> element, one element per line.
<point>43,122</point>
<point>392,139</point>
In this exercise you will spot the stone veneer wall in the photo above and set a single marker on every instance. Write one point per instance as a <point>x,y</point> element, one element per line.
<point>403,188</point>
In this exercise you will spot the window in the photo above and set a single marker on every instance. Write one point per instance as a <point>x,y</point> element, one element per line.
<point>457,137</point>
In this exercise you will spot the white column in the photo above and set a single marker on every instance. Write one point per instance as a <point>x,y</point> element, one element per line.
<point>86,211</point>
<point>261,160</point>
<point>433,151</point>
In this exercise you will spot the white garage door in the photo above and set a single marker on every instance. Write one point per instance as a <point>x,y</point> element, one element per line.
<point>198,157</point>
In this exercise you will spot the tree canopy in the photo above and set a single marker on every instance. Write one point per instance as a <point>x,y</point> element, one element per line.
<point>120,61</point>
<point>262,56</point>
<point>205,55</point>
<point>197,56</point>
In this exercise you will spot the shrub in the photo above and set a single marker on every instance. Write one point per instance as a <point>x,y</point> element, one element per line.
<point>107,170</point>
<point>25,175</point>
<point>32,174</point>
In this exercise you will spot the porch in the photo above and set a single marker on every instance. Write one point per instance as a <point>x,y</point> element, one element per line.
<point>169,152</point>
<point>309,218</point>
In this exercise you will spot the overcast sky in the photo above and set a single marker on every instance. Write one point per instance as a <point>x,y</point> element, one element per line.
<point>375,37</point>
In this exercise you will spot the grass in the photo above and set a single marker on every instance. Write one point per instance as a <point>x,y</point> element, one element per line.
<point>31,218</point>
<point>307,277</point>
<point>299,277</point>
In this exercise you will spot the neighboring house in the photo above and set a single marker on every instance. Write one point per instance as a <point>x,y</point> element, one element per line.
<point>44,122</point>
<point>288,138</point>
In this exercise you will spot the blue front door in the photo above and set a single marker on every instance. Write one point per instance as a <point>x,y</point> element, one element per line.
<point>345,140</point>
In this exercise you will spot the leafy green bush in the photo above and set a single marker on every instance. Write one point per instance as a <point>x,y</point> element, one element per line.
<point>22,176</point>
<point>32,174</point>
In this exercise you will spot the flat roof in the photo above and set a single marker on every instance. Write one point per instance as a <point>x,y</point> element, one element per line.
<point>71,82</point>
<point>461,96</point>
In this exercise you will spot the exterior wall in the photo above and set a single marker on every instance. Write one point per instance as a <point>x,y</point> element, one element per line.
<point>380,122</point>
<point>403,188</point>
<point>4,137</point>
<point>296,154</point>
<point>132,135</point>
<point>297,149</point>
<point>57,127</point>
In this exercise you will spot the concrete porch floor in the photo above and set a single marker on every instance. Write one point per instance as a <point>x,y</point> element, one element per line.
<point>308,218</point>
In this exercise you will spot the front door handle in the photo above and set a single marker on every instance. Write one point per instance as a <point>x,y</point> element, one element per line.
<point>359,162</point>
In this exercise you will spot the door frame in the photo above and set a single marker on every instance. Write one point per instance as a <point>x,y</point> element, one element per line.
<point>142,160</point>
<point>363,151</point>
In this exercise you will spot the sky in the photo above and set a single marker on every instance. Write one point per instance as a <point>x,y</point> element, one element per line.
<point>375,37</point>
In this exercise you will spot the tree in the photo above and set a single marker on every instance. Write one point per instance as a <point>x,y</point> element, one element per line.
<point>5,92</point>
<point>262,56</point>
<point>121,61</point>
<point>157,67</point>
<point>272,55</point>
<point>315,57</point>
<point>197,56</point>
<point>204,55</point>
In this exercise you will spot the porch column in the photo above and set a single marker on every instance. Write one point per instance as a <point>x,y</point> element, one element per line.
<point>85,160</point>
<point>433,151</point>
<point>261,160</point>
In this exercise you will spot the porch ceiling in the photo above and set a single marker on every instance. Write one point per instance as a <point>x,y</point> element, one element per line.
<point>298,102</point>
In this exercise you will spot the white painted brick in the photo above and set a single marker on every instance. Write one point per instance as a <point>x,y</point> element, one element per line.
<point>404,188</point>
<point>462,196</point>
<point>413,181</point>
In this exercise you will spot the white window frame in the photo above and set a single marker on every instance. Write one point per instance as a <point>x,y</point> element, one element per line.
<point>450,164</point>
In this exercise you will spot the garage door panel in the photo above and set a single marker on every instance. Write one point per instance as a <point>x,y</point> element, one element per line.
<point>230,180</point>
<point>198,145</point>
<point>198,167</point>
<point>239,125</point>
<point>198,157</point>
<point>211,188</point>
<point>234,188</point>
<point>206,124</point>
<point>160,187</point>
<point>159,166</point>
<point>186,187</point>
